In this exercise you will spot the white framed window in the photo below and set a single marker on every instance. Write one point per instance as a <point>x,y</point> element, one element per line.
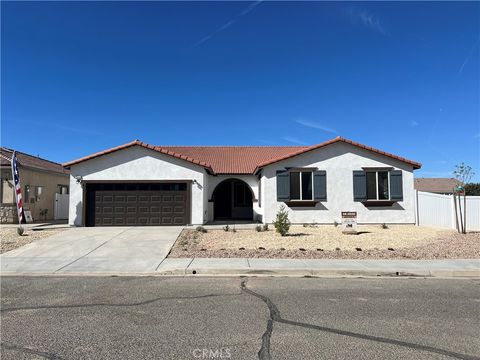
<point>378,185</point>
<point>301,185</point>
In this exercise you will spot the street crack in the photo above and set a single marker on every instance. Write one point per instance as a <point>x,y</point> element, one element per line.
<point>43,354</point>
<point>275,316</point>
<point>146,302</point>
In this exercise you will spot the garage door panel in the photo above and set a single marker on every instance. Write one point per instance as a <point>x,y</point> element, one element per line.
<point>167,220</point>
<point>179,210</point>
<point>167,198</point>
<point>139,205</point>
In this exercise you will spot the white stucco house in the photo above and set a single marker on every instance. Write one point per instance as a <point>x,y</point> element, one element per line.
<point>140,184</point>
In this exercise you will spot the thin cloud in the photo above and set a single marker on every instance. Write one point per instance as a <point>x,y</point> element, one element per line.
<point>315,126</point>
<point>229,23</point>
<point>413,123</point>
<point>294,140</point>
<point>476,136</point>
<point>264,141</point>
<point>65,128</point>
<point>368,19</point>
<point>442,162</point>
<point>472,50</point>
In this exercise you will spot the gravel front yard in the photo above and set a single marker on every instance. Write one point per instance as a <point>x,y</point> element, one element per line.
<point>373,242</point>
<point>10,240</point>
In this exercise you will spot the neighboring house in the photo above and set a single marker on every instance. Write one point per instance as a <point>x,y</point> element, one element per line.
<point>141,184</point>
<point>436,185</point>
<point>40,180</point>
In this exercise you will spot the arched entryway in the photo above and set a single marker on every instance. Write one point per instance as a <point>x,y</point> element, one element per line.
<point>232,200</point>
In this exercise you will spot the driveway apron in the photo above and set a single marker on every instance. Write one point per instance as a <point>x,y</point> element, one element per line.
<point>93,251</point>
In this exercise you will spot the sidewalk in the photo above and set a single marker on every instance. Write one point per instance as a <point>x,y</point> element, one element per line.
<point>313,267</point>
<point>52,224</point>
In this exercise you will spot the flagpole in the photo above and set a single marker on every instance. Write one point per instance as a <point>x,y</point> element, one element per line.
<point>16,195</point>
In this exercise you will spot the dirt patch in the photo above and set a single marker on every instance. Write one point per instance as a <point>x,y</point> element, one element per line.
<point>324,242</point>
<point>10,239</point>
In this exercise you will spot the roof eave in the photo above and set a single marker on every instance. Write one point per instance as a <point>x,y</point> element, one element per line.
<point>414,164</point>
<point>68,165</point>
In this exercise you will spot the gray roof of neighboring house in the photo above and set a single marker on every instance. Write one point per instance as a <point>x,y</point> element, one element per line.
<point>30,161</point>
<point>436,185</point>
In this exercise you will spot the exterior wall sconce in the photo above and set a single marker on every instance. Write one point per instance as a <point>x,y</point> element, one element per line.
<point>79,179</point>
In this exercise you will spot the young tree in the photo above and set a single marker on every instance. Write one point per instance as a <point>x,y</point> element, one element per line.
<point>282,223</point>
<point>463,173</point>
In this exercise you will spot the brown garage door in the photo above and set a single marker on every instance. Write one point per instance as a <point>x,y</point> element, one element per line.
<point>137,204</point>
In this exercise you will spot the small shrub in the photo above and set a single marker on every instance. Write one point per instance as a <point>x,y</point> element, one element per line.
<point>258,228</point>
<point>335,223</point>
<point>183,242</point>
<point>234,230</point>
<point>20,230</point>
<point>314,225</point>
<point>242,248</point>
<point>337,248</point>
<point>265,227</point>
<point>305,225</point>
<point>226,228</point>
<point>319,249</point>
<point>302,249</point>
<point>261,248</point>
<point>201,229</point>
<point>282,223</point>
<point>384,226</point>
<point>282,249</point>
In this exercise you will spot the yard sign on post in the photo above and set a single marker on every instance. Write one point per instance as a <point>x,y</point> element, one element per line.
<point>18,188</point>
<point>349,222</point>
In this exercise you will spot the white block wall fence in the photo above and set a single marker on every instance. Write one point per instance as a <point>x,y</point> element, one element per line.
<point>438,210</point>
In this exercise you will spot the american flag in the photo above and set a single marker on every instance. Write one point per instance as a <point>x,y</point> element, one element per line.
<point>18,188</point>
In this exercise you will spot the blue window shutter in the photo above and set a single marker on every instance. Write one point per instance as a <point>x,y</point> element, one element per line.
<point>396,185</point>
<point>359,185</point>
<point>283,185</point>
<point>320,185</point>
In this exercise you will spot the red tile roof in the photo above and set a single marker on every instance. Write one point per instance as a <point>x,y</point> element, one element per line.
<point>236,159</point>
<point>30,161</point>
<point>436,185</point>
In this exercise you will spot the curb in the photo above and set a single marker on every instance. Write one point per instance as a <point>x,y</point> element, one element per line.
<point>467,274</point>
<point>319,273</point>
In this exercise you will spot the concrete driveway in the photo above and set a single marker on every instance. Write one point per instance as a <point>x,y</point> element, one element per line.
<point>94,250</point>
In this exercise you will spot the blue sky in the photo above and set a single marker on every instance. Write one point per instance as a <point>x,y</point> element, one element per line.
<point>401,76</point>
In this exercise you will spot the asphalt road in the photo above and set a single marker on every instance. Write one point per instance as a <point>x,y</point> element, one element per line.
<point>238,318</point>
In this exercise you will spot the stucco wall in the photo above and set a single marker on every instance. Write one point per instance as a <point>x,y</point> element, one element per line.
<point>47,180</point>
<point>136,163</point>
<point>339,160</point>
<point>252,182</point>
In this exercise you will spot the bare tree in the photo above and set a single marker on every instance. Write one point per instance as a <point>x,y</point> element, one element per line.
<point>463,173</point>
